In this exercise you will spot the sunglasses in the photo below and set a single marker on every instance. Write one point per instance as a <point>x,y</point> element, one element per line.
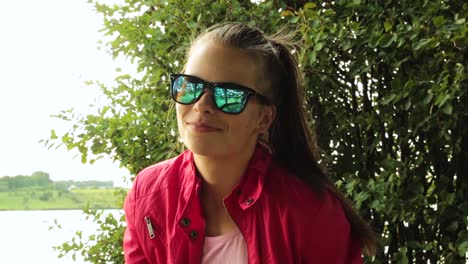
<point>229,98</point>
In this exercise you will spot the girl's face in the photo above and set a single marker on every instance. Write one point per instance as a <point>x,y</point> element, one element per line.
<point>206,130</point>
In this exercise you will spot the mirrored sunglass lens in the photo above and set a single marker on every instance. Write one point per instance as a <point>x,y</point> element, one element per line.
<point>229,100</point>
<point>186,91</point>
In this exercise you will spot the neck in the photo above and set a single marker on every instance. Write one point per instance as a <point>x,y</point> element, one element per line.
<point>221,174</point>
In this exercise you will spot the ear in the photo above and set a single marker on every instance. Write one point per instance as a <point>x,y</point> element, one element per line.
<point>267,116</point>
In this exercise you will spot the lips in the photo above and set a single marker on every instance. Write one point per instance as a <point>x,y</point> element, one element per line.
<point>202,127</point>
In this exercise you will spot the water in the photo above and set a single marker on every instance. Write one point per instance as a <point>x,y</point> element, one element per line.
<point>25,236</point>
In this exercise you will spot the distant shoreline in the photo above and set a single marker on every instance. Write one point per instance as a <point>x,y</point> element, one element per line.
<point>33,199</point>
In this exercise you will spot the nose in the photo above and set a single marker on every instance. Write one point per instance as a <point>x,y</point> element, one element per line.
<point>205,104</point>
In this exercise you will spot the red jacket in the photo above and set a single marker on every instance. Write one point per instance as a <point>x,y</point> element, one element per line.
<point>281,219</point>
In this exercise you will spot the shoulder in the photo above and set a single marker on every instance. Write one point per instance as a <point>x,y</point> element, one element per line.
<point>318,219</point>
<point>305,207</point>
<point>317,227</point>
<point>289,188</point>
<point>313,207</point>
<point>291,192</point>
<point>159,176</point>
<point>329,233</point>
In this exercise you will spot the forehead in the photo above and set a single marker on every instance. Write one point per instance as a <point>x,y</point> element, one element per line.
<point>215,62</point>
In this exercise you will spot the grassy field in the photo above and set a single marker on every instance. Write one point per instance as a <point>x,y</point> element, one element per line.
<point>34,199</point>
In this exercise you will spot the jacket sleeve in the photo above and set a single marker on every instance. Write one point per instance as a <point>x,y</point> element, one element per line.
<point>329,238</point>
<point>133,251</point>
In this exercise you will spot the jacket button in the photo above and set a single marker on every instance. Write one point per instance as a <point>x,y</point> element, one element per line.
<point>193,234</point>
<point>249,201</point>
<point>185,222</point>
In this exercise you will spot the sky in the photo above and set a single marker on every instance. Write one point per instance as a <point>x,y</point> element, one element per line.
<point>48,49</point>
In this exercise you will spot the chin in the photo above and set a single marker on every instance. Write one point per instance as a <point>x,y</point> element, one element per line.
<point>205,148</point>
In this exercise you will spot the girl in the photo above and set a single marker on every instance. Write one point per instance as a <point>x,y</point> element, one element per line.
<point>249,188</point>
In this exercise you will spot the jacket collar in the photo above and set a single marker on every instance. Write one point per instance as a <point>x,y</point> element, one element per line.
<point>251,186</point>
<point>247,191</point>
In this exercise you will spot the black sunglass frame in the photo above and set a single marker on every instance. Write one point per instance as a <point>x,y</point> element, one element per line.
<point>210,86</point>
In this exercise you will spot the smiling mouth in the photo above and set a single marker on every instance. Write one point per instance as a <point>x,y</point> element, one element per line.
<point>201,127</point>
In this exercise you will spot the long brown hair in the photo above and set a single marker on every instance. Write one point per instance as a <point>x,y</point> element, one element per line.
<point>290,138</point>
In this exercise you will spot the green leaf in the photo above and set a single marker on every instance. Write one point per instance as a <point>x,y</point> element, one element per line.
<point>464,207</point>
<point>353,3</point>
<point>422,44</point>
<point>374,204</point>
<point>427,99</point>
<point>447,109</point>
<point>309,5</point>
<point>312,57</point>
<point>294,20</point>
<point>407,105</point>
<point>438,21</point>
<point>460,21</point>
<point>441,99</point>
<point>387,26</point>
<point>52,134</point>
<point>413,244</point>
<point>390,98</point>
<point>374,40</point>
<point>462,242</point>
<point>387,40</point>
<point>287,13</point>
<point>318,46</point>
<point>401,257</point>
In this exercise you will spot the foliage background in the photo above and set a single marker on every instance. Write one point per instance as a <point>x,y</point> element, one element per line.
<point>386,85</point>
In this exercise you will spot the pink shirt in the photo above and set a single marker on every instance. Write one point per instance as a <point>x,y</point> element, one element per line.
<point>229,248</point>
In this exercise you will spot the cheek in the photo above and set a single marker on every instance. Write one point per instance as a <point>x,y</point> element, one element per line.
<point>248,124</point>
<point>180,113</point>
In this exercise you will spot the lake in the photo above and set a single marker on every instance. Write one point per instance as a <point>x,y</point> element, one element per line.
<point>25,236</point>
